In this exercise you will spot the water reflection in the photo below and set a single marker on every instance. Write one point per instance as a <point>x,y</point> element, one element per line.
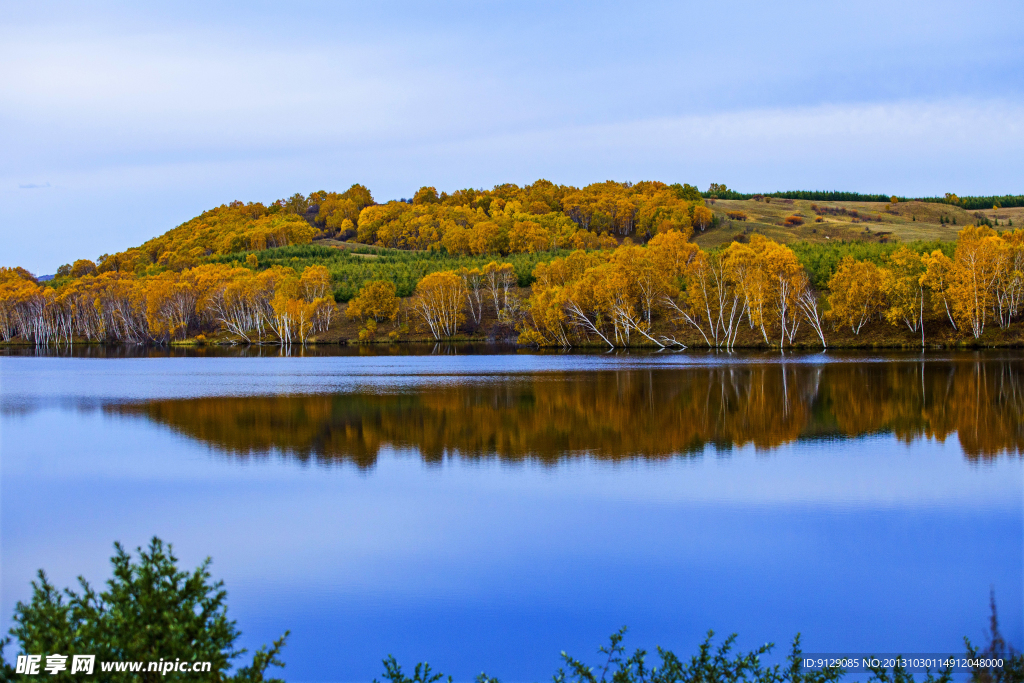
<point>263,351</point>
<point>648,413</point>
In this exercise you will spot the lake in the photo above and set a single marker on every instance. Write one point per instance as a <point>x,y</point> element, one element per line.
<point>485,511</point>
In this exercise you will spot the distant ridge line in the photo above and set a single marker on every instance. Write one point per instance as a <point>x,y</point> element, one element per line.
<point>971,203</point>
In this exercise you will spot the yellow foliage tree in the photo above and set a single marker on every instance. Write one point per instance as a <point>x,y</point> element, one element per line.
<point>712,303</point>
<point>315,282</point>
<point>937,278</point>
<point>770,278</point>
<point>473,280</point>
<point>376,300</point>
<point>485,238</point>
<point>702,217</point>
<point>672,251</point>
<point>439,303</point>
<point>1010,284</point>
<point>978,263</point>
<point>499,281</point>
<point>546,323</point>
<point>528,237</point>
<point>904,286</point>
<point>856,294</point>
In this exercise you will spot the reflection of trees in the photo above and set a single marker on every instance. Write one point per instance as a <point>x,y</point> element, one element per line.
<point>622,414</point>
<point>982,402</point>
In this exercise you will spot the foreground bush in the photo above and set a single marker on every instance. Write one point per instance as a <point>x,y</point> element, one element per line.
<point>150,611</point>
<point>721,665</point>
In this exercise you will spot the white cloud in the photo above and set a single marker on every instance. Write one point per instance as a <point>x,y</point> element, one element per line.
<point>142,119</point>
<point>910,148</point>
<point>838,131</point>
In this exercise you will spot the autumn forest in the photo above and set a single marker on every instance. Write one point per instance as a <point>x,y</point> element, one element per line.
<point>610,264</point>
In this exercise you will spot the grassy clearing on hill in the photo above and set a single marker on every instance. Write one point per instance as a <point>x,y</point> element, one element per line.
<point>877,222</point>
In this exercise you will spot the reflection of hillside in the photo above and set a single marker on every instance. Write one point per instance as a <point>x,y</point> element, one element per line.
<point>624,414</point>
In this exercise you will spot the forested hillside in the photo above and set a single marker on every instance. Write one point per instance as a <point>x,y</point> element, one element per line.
<point>618,264</point>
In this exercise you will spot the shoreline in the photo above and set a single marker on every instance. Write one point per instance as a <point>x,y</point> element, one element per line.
<point>455,341</point>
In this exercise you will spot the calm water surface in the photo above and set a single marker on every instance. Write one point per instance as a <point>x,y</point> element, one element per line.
<point>488,511</point>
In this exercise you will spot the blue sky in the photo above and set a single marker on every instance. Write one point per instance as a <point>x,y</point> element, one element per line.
<point>120,121</point>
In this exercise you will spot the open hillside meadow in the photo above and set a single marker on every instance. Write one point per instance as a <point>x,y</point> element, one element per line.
<point>609,265</point>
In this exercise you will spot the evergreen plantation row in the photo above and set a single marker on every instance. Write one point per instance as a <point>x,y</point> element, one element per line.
<point>610,264</point>
<point>967,203</point>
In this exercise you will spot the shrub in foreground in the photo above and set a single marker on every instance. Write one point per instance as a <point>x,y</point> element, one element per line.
<point>721,665</point>
<point>150,611</point>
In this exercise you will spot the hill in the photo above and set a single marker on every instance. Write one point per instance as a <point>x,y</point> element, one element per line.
<point>613,263</point>
<point>541,217</point>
